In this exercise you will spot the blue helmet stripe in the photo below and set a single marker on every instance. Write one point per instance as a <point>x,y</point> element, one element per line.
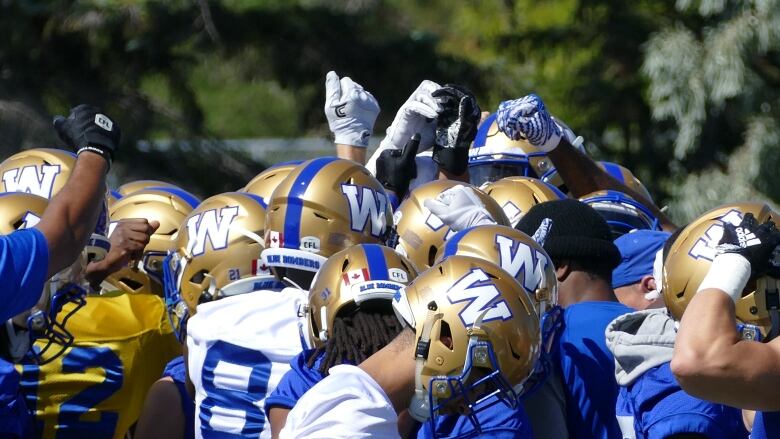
<point>190,199</point>
<point>292,218</point>
<point>377,265</point>
<point>257,198</point>
<point>451,246</point>
<point>483,130</point>
<point>615,171</point>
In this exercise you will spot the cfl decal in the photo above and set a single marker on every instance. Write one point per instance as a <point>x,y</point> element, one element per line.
<point>397,275</point>
<point>517,256</point>
<point>705,246</point>
<point>310,243</point>
<point>210,225</point>
<point>31,179</point>
<point>475,289</point>
<point>366,205</point>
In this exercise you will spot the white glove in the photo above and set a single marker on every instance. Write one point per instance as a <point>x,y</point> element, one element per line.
<point>351,110</point>
<point>527,118</point>
<point>459,208</point>
<point>416,115</point>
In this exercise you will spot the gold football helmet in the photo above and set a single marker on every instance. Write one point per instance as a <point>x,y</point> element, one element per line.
<point>39,171</point>
<point>495,156</point>
<point>618,172</point>
<point>621,212</point>
<point>514,251</point>
<point>516,195</point>
<point>477,335</point>
<point>420,233</point>
<point>322,207</point>
<point>264,183</point>
<point>137,185</point>
<point>217,254</point>
<point>45,321</point>
<point>350,277</point>
<point>687,258</point>
<point>168,206</point>
<point>112,197</point>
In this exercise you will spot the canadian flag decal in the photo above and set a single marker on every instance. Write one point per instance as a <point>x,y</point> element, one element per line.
<point>276,239</point>
<point>356,276</point>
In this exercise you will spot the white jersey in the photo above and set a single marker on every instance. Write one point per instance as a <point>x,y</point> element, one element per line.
<point>239,349</point>
<point>346,404</point>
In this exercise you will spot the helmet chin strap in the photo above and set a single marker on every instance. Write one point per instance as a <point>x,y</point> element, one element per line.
<point>419,406</point>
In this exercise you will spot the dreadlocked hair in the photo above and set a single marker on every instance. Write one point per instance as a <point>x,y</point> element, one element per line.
<point>358,332</point>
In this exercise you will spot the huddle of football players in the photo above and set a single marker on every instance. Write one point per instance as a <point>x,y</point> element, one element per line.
<point>478,276</point>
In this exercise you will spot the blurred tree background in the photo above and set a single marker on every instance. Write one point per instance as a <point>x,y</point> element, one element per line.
<point>685,94</point>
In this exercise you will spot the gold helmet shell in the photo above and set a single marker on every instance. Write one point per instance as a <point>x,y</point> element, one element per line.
<point>495,156</point>
<point>39,171</point>
<point>264,183</point>
<point>218,253</point>
<point>322,207</point>
<point>166,205</point>
<point>471,314</point>
<point>137,185</point>
<point>20,211</point>
<point>515,252</point>
<point>516,195</point>
<point>350,277</point>
<point>687,258</point>
<point>420,233</point>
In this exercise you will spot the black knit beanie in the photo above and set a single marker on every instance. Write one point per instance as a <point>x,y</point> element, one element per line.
<point>578,232</point>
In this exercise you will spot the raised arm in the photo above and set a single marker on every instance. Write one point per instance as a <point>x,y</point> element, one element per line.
<point>351,112</point>
<point>710,359</point>
<point>71,216</point>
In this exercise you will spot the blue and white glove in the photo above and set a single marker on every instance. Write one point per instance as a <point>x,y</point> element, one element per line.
<point>527,118</point>
<point>350,109</point>
<point>459,207</point>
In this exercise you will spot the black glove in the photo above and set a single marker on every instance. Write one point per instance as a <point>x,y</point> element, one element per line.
<point>755,242</point>
<point>87,129</point>
<point>395,169</point>
<point>456,127</point>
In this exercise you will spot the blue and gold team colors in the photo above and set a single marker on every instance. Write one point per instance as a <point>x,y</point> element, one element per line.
<point>97,387</point>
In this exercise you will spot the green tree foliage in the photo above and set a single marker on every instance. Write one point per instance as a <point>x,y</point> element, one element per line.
<point>718,79</point>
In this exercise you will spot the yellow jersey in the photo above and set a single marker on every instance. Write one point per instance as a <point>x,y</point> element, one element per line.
<point>96,389</point>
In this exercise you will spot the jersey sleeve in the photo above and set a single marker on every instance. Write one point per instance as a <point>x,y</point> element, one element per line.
<point>15,420</point>
<point>24,263</point>
<point>297,381</point>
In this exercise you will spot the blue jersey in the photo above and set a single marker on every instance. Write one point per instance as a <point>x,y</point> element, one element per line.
<point>766,425</point>
<point>15,420</point>
<point>497,421</point>
<point>176,370</point>
<point>658,407</point>
<point>24,263</point>
<point>588,369</point>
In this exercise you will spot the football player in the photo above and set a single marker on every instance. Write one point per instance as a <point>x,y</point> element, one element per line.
<point>731,282</point>
<point>622,213</point>
<point>30,257</point>
<point>165,205</point>
<point>350,317</point>
<point>651,402</point>
<point>137,185</point>
<point>579,242</point>
<point>421,226</point>
<point>472,338</point>
<point>527,119</point>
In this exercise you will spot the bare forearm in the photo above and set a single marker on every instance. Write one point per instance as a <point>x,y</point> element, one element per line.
<point>712,362</point>
<point>583,176</point>
<point>444,175</point>
<point>349,152</point>
<point>72,213</point>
